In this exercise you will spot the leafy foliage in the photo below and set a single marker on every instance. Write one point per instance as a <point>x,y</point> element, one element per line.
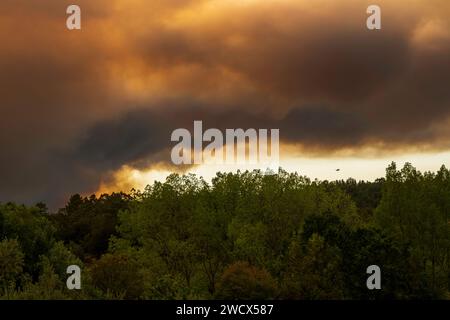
<point>245,282</point>
<point>245,235</point>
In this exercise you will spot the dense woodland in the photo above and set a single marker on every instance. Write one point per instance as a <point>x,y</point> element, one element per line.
<point>247,235</point>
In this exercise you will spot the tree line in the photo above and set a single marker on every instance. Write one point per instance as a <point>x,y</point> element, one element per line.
<point>244,235</point>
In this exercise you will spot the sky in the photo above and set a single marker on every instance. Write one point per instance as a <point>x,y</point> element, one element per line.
<point>92,110</point>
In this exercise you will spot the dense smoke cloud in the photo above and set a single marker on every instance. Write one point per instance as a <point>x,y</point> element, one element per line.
<point>77,105</point>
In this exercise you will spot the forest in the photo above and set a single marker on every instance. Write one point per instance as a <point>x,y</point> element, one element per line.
<point>244,235</point>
